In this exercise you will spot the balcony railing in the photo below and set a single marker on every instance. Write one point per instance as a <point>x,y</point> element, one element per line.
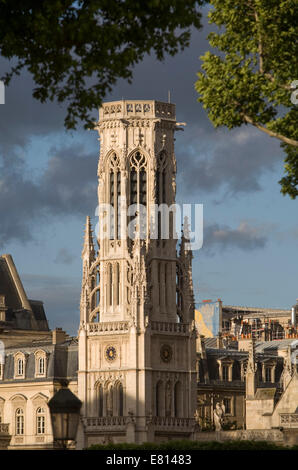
<point>169,327</point>
<point>289,420</point>
<point>105,421</point>
<point>108,327</point>
<point>168,421</point>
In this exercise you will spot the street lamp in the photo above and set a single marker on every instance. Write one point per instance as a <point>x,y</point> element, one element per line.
<point>65,412</point>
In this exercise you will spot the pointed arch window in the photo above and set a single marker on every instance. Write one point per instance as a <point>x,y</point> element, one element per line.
<point>138,189</point>
<point>100,400</point>
<point>120,400</point>
<point>138,179</point>
<point>159,399</point>
<point>114,196</point>
<point>161,186</point>
<point>178,400</point>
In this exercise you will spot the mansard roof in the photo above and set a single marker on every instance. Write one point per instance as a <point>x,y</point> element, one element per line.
<point>20,312</point>
<point>62,361</point>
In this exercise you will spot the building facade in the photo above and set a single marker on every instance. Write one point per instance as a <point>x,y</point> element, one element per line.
<point>137,357</point>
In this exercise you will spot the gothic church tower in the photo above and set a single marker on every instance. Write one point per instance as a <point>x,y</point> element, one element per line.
<point>137,376</point>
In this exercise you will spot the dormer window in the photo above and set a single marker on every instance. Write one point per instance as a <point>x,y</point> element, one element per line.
<point>268,374</point>
<point>19,365</point>
<point>225,373</point>
<point>40,363</point>
<point>225,369</point>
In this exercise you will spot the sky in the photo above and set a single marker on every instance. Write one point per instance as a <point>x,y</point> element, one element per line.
<point>48,185</point>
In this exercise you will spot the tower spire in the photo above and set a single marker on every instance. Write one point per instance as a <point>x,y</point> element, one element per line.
<point>88,247</point>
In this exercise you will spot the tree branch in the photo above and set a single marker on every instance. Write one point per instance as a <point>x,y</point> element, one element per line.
<point>281,137</point>
<point>273,80</point>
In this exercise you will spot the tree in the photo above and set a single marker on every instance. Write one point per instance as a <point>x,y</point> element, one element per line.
<point>76,50</point>
<point>248,80</point>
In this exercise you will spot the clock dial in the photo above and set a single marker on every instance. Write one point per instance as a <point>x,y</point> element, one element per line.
<point>111,353</point>
<point>166,353</point>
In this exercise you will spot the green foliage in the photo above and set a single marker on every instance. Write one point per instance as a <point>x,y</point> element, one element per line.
<point>76,51</point>
<point>247,79</point>
<point>195,445</point>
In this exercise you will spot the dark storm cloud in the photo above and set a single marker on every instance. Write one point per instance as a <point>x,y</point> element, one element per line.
<point>245,237</point>
<point>232,160</point>
<point>67,187</point>
<point>64,256</point>
<point>208,160</point>
<point>22,117</point>
<point>63,305</point>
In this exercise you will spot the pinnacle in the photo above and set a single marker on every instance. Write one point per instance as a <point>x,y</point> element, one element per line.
<point>88,246</point>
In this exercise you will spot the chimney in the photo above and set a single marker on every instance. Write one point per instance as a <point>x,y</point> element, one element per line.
<point>294,315</point>
<point>58,336</point>
<point>219,341</point>
<point>3,308</point>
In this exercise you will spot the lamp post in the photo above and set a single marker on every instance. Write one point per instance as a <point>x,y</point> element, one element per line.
<point>65,412</point>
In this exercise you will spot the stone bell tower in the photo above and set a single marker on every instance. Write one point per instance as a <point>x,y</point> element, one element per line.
<point>137,371</point>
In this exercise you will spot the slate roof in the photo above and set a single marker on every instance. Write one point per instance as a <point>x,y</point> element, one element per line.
<point>62,361</point>
<point>17,316</point>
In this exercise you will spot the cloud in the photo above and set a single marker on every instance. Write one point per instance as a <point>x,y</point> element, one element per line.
<point>230,160</point>
<point>245,237</point>
<point>66,187</point>
<point>61,298</point>
<point>64,256</point>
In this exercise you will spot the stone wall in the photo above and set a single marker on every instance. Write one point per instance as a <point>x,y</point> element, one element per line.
<point>273,435</point>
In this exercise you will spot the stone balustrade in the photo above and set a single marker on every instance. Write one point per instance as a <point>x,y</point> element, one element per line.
<point>106,421</point>
<point>169,421</point>
<point>289,420</point>
<point>108,327</point>
<point>137,109</point>
<point>4,428</point>
<point>169,327</point>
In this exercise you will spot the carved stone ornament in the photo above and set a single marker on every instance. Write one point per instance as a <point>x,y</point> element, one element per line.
<point>166,353</point>
<point>110,353</point>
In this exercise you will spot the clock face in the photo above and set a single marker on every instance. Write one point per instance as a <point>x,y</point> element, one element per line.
<point>166,353</point>
<point>111,353</point>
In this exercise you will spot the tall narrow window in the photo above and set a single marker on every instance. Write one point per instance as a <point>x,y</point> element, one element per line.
<point>20,367</point>
<point>19,422</point>
<point>117,284</point>
<point>133,187</point>
<point>100,401</point>
<point>110,284</point>
<point>120,398</point>
<point>41,365</point>
<point>225,373</point>
<point>114,195</point>
<point>40,420</point>
<point>138,189</point>
<point>158,399</point>
<point>178,400</point>
<point>161,185</point>
<point>268,377</point>
<point>110,401</point>
<point>112,203</point>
